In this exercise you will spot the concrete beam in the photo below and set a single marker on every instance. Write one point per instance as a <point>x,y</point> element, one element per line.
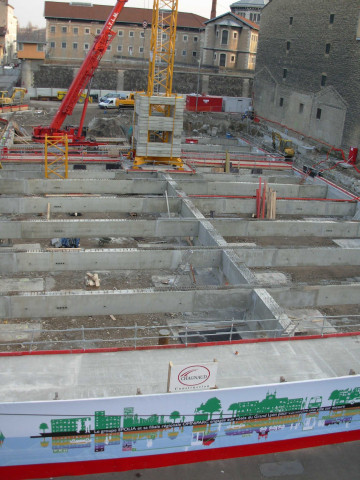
<point>283,207</point>
<point>79,303</point>
<point>30,205</point>
<point>101,186</point>
<point>249,188</point>
<point>287,228</point>
<point>298,257</point>
<point>114,259</point>
<point>317,295</point>
<point>98,228</point>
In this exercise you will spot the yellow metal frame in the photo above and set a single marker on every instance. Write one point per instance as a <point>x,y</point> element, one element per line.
<point>162,47</point>
<point>56,156</point>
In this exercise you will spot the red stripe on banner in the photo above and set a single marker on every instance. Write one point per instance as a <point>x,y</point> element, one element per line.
<point>166,460</point>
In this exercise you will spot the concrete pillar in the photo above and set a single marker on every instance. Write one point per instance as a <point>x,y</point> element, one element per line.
<point>26,74</point>
<point>120,80</point>
<point>204,88</point>
<point>246,88</point>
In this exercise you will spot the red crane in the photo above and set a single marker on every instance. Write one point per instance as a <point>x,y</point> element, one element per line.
<point>80,82</point>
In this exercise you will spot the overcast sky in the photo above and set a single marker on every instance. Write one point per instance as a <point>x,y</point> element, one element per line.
<point>33,10</point>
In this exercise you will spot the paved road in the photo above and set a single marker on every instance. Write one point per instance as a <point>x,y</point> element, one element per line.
<point>332,462</point>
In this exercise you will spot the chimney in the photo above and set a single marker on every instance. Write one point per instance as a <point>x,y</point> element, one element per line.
<point>213,9</point>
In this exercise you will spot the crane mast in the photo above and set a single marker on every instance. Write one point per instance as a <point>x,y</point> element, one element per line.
<point>81,82</point>
<point>162,47</point>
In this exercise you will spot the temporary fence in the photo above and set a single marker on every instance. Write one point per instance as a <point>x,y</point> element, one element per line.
<point>171,334</point>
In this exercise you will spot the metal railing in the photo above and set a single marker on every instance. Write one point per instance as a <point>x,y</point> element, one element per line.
<point>186,333</point>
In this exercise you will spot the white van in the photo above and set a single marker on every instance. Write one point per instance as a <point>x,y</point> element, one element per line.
<point>108,103</point>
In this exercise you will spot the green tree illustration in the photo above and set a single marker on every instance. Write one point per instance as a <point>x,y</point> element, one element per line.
<point>335,395</point>
<point>43,427</point>
<point>175,415</point>
<point>234,407</point>
<point>211,406</point>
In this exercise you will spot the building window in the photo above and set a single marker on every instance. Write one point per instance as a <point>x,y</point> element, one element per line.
<point>288,44</point>
<point>108,48</point>
<point>52,44</point>
<point>235,35</point>
<point>142,34</point>
<point>281,102</point>
<point>301,108</point>
<point>222,60</point>
<point>291,19</point>
<point>131,51</point>
<point>119,48</point>
<point>75,46</point>
<point>185,38</point>
<point>131,33</point>
<point>63,44</point>
<point>224,37</point>
<point>87,31</point>
<point>327,48</point>
<point>217,33</point>
<point>318,113</point>
<point>323,80</point>
<point>120,33</point>
<point>194,54</point>
<point>20,46</point>
<point>141,49</point>
<point>184,52</point>
<point>164,36</point>
<point>64,29</point>
<point>232,58</point>
<point>332,18</point>
<point>215,56</point>
<point>76,31</point>
<point>52,29</point>
<point>195,39</point>
<point>86,46</point>
<point>98,31</point>
<point>285,72</point>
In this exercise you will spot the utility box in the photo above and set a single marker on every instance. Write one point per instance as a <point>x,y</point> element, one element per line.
<point>204,103</point>
<point>237,104</point>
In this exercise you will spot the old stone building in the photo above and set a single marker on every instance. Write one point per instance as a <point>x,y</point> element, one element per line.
<point>8,31</point>
<point>230,43</point>
<point>308,68</point>
<point>71,28</point>
<point>250,9</point>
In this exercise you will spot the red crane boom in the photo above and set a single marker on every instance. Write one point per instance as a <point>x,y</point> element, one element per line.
<point>80,82</point>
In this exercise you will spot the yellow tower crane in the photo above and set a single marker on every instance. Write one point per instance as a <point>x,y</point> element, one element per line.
<point>158,114</point>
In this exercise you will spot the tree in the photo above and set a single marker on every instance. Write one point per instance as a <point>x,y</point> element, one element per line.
<point>211,406</point>
<point>175,415</point>
<point>43,427</point>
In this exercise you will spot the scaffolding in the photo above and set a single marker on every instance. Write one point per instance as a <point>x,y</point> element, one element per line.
<point>56,156</point>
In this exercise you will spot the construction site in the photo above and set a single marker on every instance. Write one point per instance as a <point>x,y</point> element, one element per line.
<point>161,232</point>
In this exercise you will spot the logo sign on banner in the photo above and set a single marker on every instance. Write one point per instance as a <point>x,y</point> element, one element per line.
<point>201,376</point>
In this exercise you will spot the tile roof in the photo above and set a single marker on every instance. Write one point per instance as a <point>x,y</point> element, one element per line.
<point>128,14</point>
<point>31,36</point>
<point>248,22</point>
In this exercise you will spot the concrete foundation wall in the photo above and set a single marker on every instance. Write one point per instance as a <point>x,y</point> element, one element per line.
<point>114,259</point>
<point>99,228</point>
<point>90,186</point>
<point>317,296</point>
<point>286,228</point>
<point>126,302</point>
<point>88,204</point>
